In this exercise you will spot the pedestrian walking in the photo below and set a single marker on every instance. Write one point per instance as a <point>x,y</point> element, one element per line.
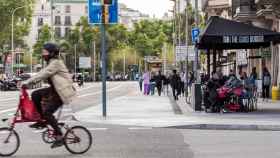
<point>140,80</point>
<point>152,84</point>
<point>191,80</point>
<point>254,76</point>
<point>182,83</point>
<point>146,81</point>
<point>266,78</point>
<point>175,81</point>
<point>166,82</point>
<point>159,82</point>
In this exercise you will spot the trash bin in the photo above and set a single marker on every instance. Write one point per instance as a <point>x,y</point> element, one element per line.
<point>275,93</point>
<point>196,97</point>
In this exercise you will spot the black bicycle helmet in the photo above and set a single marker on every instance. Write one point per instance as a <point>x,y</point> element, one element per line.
<point>53,49</point>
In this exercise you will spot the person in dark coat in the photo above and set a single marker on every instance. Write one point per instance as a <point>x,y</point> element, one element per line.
<point>175,81</point>
<point>159,78</point>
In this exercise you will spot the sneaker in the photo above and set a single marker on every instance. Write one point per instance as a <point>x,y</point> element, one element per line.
<point>37,125</point>
<point>58,142</point>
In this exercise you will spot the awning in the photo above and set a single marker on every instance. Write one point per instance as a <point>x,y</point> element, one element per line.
<point>222,33</point>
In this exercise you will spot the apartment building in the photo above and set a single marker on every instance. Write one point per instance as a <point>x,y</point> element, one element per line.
<point>66,13</point>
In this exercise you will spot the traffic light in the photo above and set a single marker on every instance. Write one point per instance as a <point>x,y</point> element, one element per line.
<point>107,2</point>
<point>105,15</point>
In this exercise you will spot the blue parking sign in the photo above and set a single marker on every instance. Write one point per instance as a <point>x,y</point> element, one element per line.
<point>195,34</point>
<point>95,12</point>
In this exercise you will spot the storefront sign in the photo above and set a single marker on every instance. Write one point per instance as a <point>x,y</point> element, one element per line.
<point>243,39</point>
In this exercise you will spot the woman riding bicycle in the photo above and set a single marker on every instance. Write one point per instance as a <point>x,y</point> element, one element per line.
<point>60,91</point>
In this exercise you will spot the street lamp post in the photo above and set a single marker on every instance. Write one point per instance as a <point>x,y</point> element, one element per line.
<point>12,40</point>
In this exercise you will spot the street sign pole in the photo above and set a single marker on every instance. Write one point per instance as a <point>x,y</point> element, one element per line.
<point>196,49</point>
<point>104,102</point>
<point>102,12</point>
<point>103,50</point>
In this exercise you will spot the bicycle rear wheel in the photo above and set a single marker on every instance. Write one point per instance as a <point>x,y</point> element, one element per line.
<point>78,140</point>
<point>9,141</point>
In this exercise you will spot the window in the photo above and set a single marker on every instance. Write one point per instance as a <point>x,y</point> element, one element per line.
<point>39,32</point>
<point>57,20</point>
<point>68,20</point>
<point>68,9</point>
<point>57,32</point>
<point>40,21</point>
<point>67,31</point>
<point>86,9</point>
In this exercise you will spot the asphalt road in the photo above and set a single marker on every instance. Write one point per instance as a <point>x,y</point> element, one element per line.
<point>89,95</point>
<point>137,142</point>
<point>115,141</point>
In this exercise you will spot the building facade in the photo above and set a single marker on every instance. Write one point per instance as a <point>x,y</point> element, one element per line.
<point>128,16</point>
<point>66,13</point>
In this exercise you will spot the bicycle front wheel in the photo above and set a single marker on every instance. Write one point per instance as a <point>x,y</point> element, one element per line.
<point>78,140</point>
<point>48,136</point>
<point>9,141</point>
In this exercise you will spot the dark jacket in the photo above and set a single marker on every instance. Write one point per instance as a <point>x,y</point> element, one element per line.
<point>175,81</point>
<point>159,80</point>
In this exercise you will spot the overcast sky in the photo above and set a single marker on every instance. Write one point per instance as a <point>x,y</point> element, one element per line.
<point>151,7</point>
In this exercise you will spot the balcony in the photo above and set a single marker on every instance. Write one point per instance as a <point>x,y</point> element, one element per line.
<point>244,14</point>
<point>214,4</point>
<point>268,8</point>
<point>266,11</point>
<point>244,10</point>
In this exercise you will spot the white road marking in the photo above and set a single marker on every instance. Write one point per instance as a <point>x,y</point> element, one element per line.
<point>39,130</point>
<point>11,114</point>
<point>8,110</point>
<point>140,128</point>
<point>97,129</point>
<point>81,89</point>
<point>8,99</point>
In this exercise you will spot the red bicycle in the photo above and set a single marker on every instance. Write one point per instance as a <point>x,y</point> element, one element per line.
<point>77,139</point>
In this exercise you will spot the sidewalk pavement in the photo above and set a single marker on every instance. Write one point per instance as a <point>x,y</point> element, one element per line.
<point>154,111</point>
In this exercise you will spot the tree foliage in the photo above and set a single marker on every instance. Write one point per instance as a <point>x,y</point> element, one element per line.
<point>22,21</point>
<point>44,36</point>
<point>148,36</point>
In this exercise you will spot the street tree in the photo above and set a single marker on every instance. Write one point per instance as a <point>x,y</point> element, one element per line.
<point>44,36</point>
<point>22,21</point>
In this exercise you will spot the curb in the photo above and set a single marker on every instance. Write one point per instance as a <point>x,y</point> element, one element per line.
<point>229,127</point>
